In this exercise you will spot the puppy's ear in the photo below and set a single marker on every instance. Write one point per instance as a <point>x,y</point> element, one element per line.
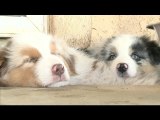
<point>3,62</point>
<point>96,52</point>
<point>154,52</point>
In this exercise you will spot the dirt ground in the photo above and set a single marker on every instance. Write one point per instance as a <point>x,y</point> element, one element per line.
<point>82,95</point>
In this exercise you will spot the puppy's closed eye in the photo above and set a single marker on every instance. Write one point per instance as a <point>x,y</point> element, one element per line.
<point>31,60</point>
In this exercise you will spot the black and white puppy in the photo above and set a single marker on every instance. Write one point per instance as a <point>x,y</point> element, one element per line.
<point>132,59</point>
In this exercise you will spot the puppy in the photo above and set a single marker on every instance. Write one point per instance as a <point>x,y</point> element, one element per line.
<point>41,60</point>
<point>31,60</point>
<point>134,60</point>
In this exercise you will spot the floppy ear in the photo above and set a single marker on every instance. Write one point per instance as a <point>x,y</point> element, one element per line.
<point>154,52</point>
<point>98,53</point>
<point>153,49</point>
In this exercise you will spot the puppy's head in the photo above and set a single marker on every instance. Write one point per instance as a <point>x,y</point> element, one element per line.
<point>34,60</point>
<point>130,56</point>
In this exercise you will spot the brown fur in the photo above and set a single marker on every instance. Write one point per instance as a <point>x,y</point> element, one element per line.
<point>19,76</point>
<point>148,68</point>
<point>23,77</point>
<point>31,52</point>
<point>53,47</point>
<point>70,63</point>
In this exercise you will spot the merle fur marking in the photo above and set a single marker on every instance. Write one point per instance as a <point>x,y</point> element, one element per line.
<point>153,50</point>
<point>146,48</point>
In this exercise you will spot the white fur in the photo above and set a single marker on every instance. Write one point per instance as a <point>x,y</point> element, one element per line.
<point>122,44</point>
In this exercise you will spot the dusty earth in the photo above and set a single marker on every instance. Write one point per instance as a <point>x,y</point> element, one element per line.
<point>81,95</point>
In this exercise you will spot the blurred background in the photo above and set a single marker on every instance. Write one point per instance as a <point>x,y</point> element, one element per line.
<point>80,31</point>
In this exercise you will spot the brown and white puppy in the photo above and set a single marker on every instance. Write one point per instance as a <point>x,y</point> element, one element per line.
<point>31,60</point>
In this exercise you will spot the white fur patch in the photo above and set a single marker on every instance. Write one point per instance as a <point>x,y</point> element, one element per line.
<point>122,45</point>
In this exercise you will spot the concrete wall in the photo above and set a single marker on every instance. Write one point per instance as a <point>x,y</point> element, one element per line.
<point>106,26</point>
<point>82,31</point>
<point>75,29</point>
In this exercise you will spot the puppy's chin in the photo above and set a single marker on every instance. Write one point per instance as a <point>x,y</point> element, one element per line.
<point>59,78</point>
<point>125,75</point>
<point>122,75</point>
<point>56,79</point>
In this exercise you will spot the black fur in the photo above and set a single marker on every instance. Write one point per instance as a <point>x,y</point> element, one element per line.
<point>140,49</point>
<point>153,50</point>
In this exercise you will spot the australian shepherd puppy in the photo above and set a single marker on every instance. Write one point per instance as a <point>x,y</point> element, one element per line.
<point>32,60</point>
<point>40,60</point>
<point>133,60</point>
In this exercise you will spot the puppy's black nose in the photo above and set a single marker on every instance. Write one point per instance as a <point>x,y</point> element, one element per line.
<point>58,69</point>
<point>122,67</point>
